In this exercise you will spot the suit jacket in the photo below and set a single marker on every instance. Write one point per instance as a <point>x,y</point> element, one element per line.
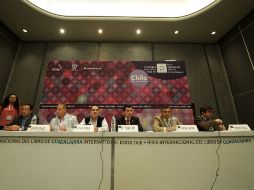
<point>205,124</point>
<point>18,121</point>
<point>133,121</point>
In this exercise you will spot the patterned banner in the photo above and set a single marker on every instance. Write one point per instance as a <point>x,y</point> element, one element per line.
<point>147,85</point>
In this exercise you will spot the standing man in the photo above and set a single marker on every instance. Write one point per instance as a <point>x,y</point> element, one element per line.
<point>205,123</point>
<point>63,121</point>
<point>165,122</point>
<point>22,122</point>
<point>128,118</point>
<point>99,123</point>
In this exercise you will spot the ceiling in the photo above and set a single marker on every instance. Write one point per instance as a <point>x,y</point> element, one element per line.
<point>195,28</point>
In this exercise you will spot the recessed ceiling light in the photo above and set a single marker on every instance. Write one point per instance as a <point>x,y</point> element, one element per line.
<point>138,31</point>
<point>24,30</point>
<point>62,31</point>
<point>176,32</point>
<point>213,33</point>
<point>100,31</point>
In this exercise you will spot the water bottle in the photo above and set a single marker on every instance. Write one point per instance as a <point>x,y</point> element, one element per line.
<point>34,120</point>
<point>113,124</point>
<point>69,123</point>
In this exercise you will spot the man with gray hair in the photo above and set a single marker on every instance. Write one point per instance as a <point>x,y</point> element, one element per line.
<point>63,121</point>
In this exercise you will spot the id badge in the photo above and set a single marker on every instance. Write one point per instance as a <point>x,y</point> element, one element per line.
<point>8,118</point>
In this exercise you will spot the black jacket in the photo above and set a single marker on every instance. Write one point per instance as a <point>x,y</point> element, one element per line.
<point>18,121</point>
<point>99,121</point>
<point>133,121</point>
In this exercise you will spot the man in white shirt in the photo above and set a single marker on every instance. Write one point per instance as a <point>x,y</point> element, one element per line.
<point>99,123</point>
<point>63,121</point>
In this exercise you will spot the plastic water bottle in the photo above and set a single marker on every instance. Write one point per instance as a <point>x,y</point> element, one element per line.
<point>70,123</point>
<point>34,120</point>
<point>113,124</point>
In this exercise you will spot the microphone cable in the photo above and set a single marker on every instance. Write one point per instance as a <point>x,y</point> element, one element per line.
<point>218,160</point>
<point>102,161</point>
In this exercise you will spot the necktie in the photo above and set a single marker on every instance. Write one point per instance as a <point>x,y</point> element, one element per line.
<point>128,122</point>
<point>23,124</point>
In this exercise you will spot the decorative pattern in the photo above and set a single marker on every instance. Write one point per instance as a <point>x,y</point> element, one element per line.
<point>108,82</point>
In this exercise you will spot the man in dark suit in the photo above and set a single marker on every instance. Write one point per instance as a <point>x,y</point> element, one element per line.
<point>22,122</point>
<point>128,119</point>
<point>204,122</point>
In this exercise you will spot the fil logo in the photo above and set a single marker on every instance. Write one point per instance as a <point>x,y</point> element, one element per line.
<point>74,67</point>
<point>161,68</point>
<point>58,68</point>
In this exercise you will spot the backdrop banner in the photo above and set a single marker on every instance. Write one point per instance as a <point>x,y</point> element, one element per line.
<point>147,85</point>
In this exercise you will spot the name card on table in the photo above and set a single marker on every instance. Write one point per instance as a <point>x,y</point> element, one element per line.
<point>83,128</point>
<point>238,127</point>
<point>186,128</point>
<point>39,128</point>
<point>127,128</point>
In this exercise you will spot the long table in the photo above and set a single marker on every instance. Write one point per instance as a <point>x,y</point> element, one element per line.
<point>126,161</point>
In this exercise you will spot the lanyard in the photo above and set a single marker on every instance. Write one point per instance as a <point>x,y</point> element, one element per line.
<point>60,122</point>
<point>10,107</point>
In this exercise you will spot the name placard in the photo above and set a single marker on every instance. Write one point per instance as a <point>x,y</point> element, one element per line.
<point>39,128</point>
<point>83,128</point>
<point>238,127</point>
<point>186,128</point>
<point>127,128</point>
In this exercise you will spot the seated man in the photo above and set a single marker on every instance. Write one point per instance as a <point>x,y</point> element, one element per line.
<point>205,123</point>
<point>165,122</point>
<point>128,119</point>
<point>99,123</point>
<point>63,121</point>
<point>22,122</point>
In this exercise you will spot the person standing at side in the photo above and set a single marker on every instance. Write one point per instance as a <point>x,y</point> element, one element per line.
<point>165,122</point>
<point>9,109</point>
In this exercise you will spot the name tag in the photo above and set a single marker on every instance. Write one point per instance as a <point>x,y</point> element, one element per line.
<point>238,127</point>
<point>127,128</point>
<point>39,128</point>
<point>186,128</point>
<point>9,118</point>
<point>83,128</point>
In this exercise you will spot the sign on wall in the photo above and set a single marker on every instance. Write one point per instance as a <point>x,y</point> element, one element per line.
<point>147,85</point>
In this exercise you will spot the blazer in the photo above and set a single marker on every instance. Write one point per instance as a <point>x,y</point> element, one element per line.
<point>205,124</point>
<point>133,121</point>
<point>18,121</point>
